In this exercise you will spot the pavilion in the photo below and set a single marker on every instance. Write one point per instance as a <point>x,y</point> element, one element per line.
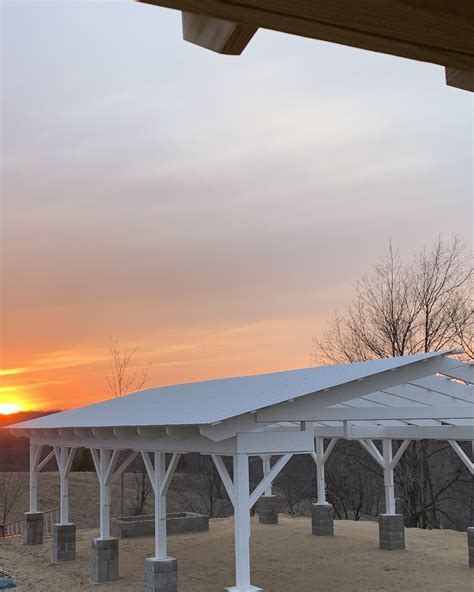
<point>424,396</point>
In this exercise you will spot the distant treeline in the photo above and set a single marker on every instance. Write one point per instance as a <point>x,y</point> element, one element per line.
<point>14,452</point>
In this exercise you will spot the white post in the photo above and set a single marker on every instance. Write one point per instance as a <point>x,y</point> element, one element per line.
<point>63,487</point>
<point>35,452</point>
<point>160,506</point>
<point>266,458</point>
<point>242,522</point>
<point>64,458</point>
<point>388,476</point>
<point>321,478</point>
<point>104,490</point>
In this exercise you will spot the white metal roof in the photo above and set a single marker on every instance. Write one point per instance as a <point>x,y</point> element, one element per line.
<point>204,403</point>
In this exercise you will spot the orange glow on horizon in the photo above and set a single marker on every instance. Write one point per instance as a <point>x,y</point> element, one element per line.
<point>9,408</point>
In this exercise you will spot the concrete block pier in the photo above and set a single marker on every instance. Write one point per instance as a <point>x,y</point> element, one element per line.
<point>32,528</point>
<point>267,509</point>
<point>161,575</point>
<point>104,560</point>
<point>64,542</point>
<point>391,532</point>
<point>322,519</point>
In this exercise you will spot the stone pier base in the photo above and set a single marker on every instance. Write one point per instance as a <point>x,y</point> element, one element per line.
<point>322,519</point>
<point>32,528</point>
<point>267,509</point>
<point>161,575</point>
<point>470,545</point>
<point>104,560</point>
<point>64,542</point>
<point>391,532</point>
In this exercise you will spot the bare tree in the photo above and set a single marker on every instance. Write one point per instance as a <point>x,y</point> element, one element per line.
<point>402,309</point>
<point>11,490</point>
<point>203,490</point>
<point>405,309</point>
<point>142,491</point>
<point>123,378</point>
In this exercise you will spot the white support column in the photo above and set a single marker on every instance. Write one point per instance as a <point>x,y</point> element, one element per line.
<point>388,477</point>
<point>388,462</point>
<point>104,494</point>
<point>320,457</point>
<point>242,500</point>
<point>242,522</point>
<point>266,460</point>
<point>160,479</point>
<point>104,463</point>
<point>35,453</point>
<point>64,458</point>
<point>321,477</point>
<point>161,571</point>
<point>160,506</point>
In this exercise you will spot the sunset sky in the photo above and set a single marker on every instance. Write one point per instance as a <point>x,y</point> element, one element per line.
<point>212,210</point>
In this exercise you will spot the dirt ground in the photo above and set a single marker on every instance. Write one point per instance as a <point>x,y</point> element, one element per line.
<point>285,558</point>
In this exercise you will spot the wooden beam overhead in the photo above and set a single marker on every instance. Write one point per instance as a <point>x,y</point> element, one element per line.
<point>436,31</point>
<point>215,34</point>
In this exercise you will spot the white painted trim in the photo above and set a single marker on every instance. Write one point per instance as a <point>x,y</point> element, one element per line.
<point>45,460</point>
<point>169,473</point>
<point>398,455</point>
<point>111,466</point>
<point>130,458</point>
<point>150,469</point>
<point>310,412</point>
<point>264,483</point>
<point>375,432</point>
<point>95,460</point>
<point>373,451</point>
<point>224,475</point>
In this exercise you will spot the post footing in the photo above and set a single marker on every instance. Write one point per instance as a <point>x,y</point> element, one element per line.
<point>104,560</point>
<point>161,575</point>
<point>470,545</point>
<point>32,528</point>
<point>267,509</point>
<point>64,542</point>
<point>322,519</point>
<point>391,532</point>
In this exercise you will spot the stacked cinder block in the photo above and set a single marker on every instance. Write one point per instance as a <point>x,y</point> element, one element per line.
<point>161,575</point>
<point>391,532</point>
<point>322,519</point>
<point>176,523</point>
<point>64,542</point>
<point>104,560</point>
<point>32,528</point>
<point>470,544</point>
<point>267,509</point>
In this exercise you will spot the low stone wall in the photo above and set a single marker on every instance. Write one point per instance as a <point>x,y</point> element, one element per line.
<point>177,523</point>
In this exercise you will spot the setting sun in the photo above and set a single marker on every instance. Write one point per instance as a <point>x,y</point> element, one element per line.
<point>9,408</point>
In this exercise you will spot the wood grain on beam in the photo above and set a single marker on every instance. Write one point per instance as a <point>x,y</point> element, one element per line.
<point>437,31</point>
<point>217,35</point>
